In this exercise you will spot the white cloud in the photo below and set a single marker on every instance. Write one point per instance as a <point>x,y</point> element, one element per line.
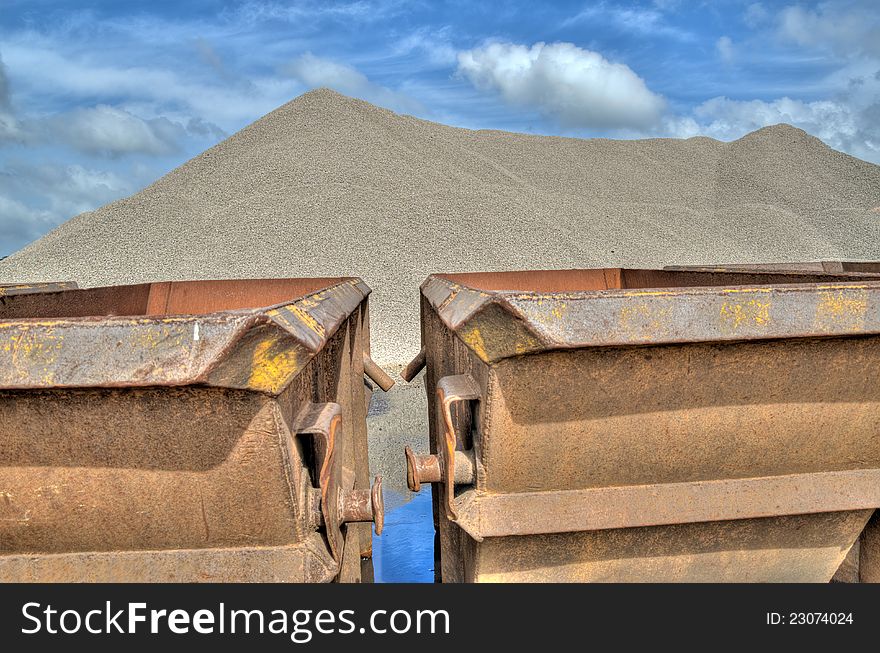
<point>435,44</point>
<point>725,49</point>
<point>107,130</point>
<point>847,27</point>
<point>99,130</point>
<point>837,123</point>
<point>639,20</point>
<point>315,72</point>
<point>198,127</point>
<point>756,15</point>
<point>727,119</point>
<point>255,11</point>
<point>847,113</point>
<point>21,223</point>
<point>65,188</point>
<point>578,87</point>
<point>9,129</point>
<point>43,66</point>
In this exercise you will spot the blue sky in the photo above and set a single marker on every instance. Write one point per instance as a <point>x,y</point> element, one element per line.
<point>98,99</point>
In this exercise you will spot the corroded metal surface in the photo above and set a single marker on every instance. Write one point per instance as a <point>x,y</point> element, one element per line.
<point>850,570</point>
<point>8,289</point>
<point>834,267</point>
<point>377,374</point>
<point>415,366</point>
<point>364,506</point>
<point>259,350</point>
<point>629,506</point>
<point>305,562</point>
<point>504,323</point>
<point>184,431</point>
<point>427,468</point>
<point>869,558</point>
<point>747,551</point>
<point>619,417</point>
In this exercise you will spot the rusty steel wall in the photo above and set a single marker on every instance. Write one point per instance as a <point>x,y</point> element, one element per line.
<point>743,449</point>
<point>798,548</point>
<point>626,416</point>
<point>447,355</point>
<point>855,566</point>
<point>208,468</point>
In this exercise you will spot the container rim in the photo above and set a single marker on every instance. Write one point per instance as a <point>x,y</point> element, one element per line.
<point>502,323</point>
<point>260,349</point>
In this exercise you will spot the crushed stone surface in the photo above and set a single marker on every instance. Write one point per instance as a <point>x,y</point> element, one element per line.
<point>327,185</point>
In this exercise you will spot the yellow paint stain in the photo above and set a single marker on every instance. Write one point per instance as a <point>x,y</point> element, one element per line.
<point>31,324</point>
<point>559,310</point>
<point>641,321</point>
<point>32,354</point>
<point>151,337</point>
<point>299,310</point>
<point>753,313</point>
<point>735,291</point>
<point>840,286</point>
<point>272,366</point>
<point>841,309</point>
<point>525,347</point>
<point>678,293</point>
<point>555,311</point>
<point>474,339</point>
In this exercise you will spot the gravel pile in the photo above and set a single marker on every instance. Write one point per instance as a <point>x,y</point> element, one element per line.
<point>329,185</point>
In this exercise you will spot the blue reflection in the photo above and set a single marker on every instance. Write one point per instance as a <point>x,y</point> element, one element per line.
<point>405,551</point>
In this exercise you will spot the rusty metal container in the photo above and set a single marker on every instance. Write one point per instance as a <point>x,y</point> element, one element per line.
<point>7,289</point>
<point>641,425</point>
<point>186,431</point>
<point>862,564</point>
<point>849,268</point>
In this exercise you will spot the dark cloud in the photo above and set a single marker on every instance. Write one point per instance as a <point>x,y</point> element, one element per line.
<point>5,94</point>
<point>107,131</point>
<point>203,128</point>
<point>36,198</point>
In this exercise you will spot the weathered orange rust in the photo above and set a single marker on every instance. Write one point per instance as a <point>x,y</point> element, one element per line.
<point>421,469</point>
<point>7,289</point>
<point>652,425</point>
<point>869,552</point>
<point>415,366</point>
<point>364,506</point>
<point>834,267</point>
<point>185,431</point>
<point>377,374</point>
<point>856,566</point>
<point>427,469</point>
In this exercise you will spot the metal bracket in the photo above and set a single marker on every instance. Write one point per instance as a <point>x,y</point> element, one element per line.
<point>338,505</point>
<point>322,421</point>
<point>450,390</point>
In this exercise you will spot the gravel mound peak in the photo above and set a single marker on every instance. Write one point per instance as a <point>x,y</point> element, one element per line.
<point>331,185</point>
